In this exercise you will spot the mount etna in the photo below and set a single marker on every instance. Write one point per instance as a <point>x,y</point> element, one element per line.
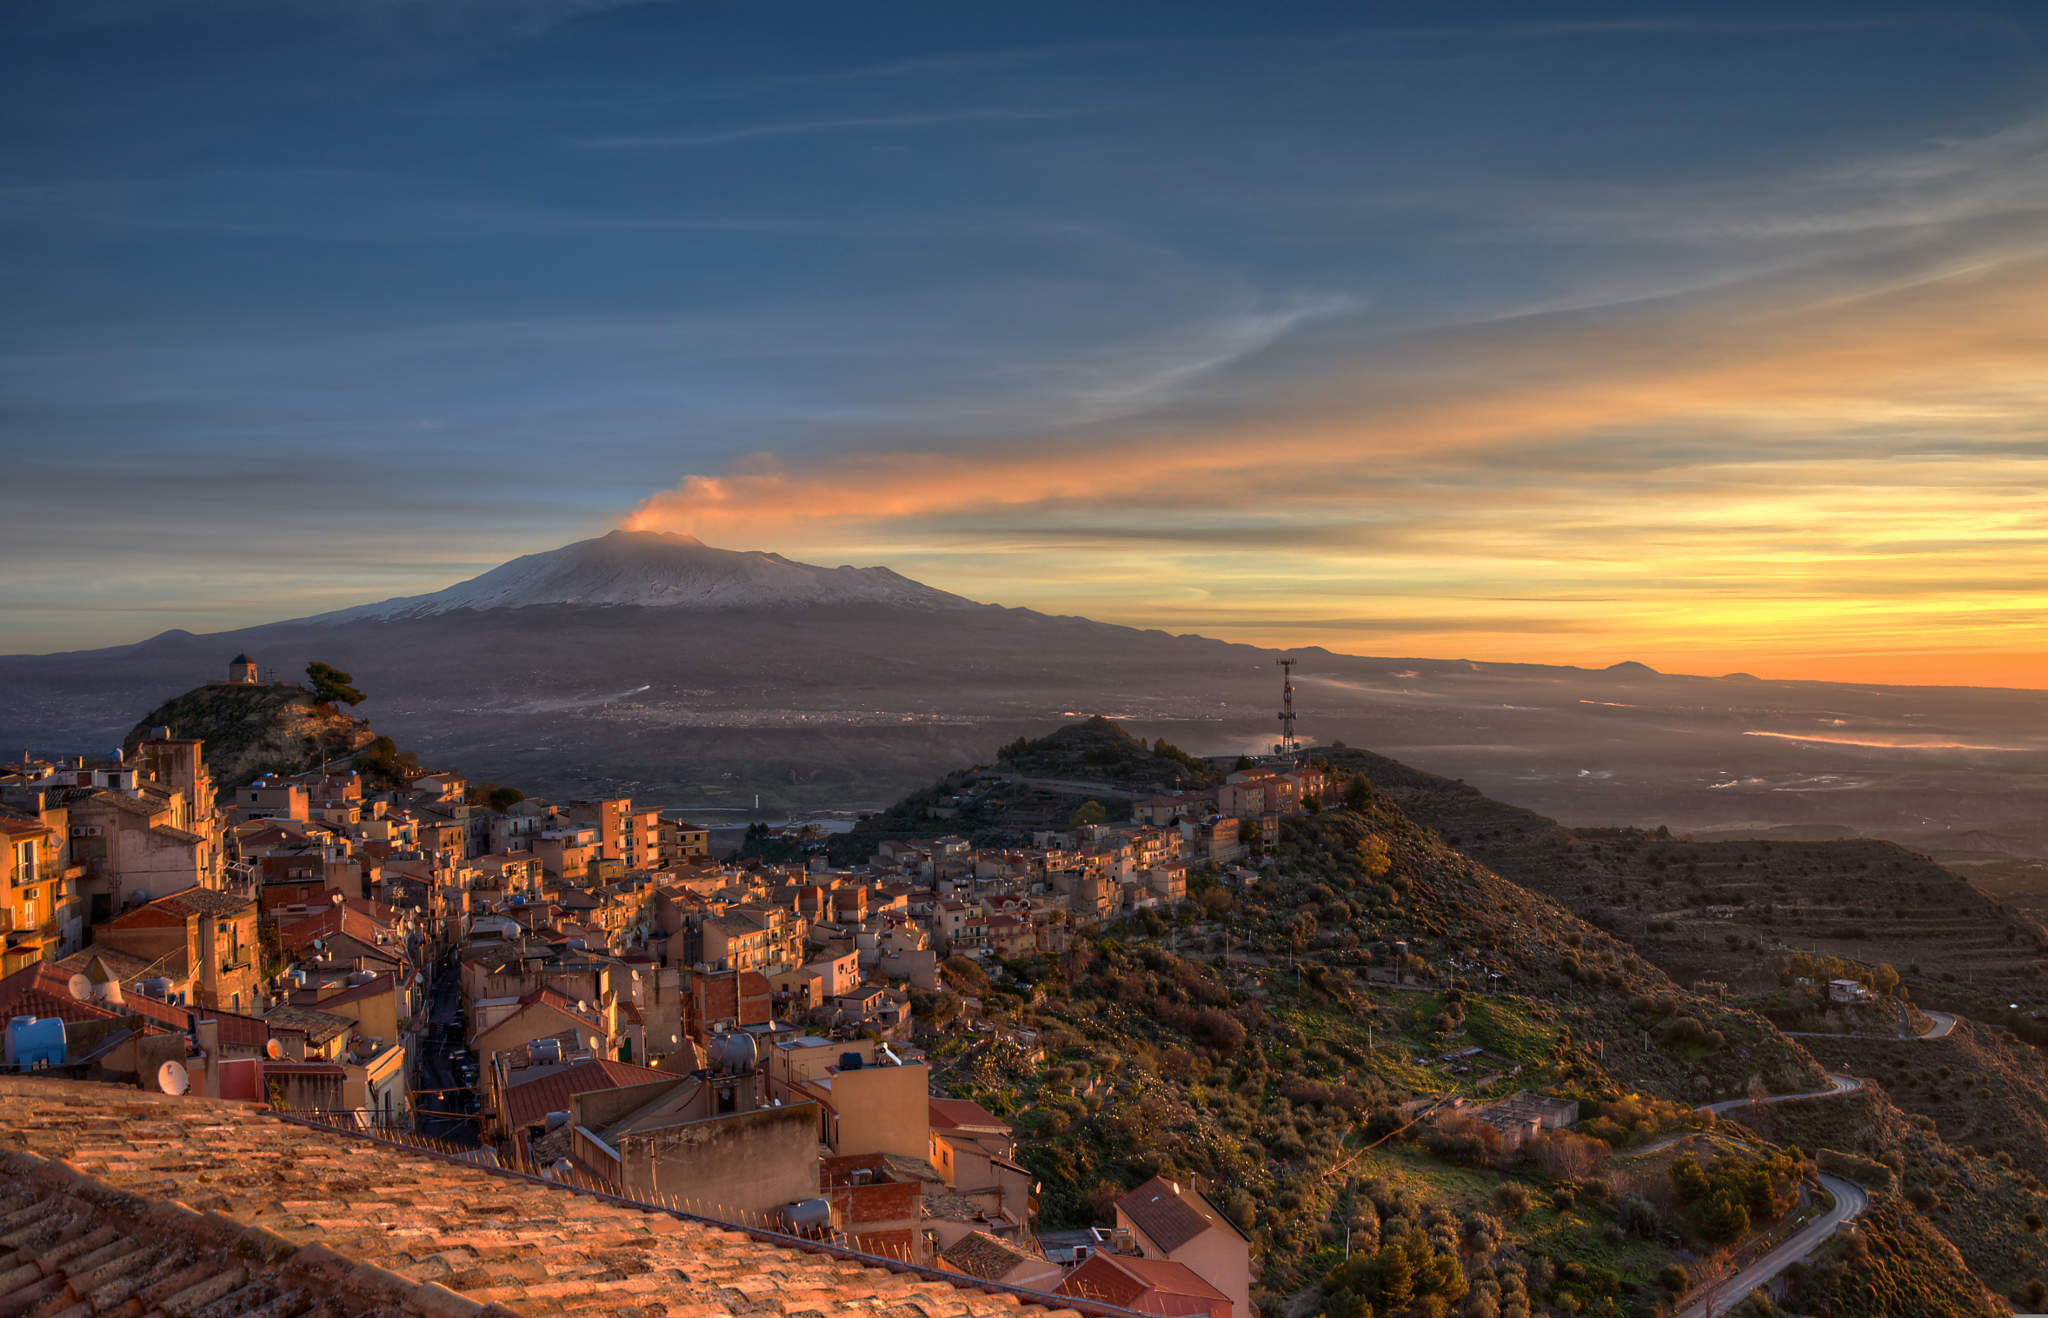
<point>700,677</point>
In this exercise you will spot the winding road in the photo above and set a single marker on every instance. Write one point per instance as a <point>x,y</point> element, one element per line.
<point>1849,1197</point>
<point>1941,1025</point>
<point>1837,1085</point>
<point>1850,1200</point>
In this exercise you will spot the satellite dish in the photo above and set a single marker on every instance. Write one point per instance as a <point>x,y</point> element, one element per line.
<point>171,1078</point>
<point>273,1049</point>
<point>81,988</point>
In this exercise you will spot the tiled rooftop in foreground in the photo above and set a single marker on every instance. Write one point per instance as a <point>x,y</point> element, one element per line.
<point>118,1201</point>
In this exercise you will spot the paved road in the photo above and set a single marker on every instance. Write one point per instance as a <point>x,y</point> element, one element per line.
<point>1837,1084</point>
<point>1849,1201</point>
<point>1941,1024</point>
<point>440,1047</point>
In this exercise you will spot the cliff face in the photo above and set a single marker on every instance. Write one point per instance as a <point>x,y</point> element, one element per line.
<point>251,730</point>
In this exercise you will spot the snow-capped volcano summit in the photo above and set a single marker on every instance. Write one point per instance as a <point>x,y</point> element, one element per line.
<point>652,569</point>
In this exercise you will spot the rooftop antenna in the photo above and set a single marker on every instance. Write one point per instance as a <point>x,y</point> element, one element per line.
<point>1289,745</point>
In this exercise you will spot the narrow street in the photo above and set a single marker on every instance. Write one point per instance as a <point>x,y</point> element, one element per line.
<point>444,1076</point>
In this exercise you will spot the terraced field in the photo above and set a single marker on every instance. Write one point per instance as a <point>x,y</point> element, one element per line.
<point>1732,911</point>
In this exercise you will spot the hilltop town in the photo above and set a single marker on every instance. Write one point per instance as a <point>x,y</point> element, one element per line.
<point>1101,1025</point>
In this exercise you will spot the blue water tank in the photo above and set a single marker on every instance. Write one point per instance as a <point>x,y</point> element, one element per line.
<point>34,1042</point>
<point>849,1061</point>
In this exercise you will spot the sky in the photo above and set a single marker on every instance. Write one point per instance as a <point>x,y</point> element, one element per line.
<point>1711,337</point>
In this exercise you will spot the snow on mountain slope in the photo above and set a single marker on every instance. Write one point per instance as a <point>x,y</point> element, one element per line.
<point>657,570</point>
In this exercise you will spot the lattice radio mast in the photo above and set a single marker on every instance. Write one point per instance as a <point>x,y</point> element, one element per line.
<point>1289,744</point>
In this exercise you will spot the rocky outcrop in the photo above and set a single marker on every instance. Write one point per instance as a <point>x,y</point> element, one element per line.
<point>273,727</point>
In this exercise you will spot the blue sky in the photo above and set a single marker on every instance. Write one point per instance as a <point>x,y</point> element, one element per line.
<point>1437,329</point>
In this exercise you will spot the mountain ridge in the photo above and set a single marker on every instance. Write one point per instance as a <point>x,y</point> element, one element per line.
<point>654,569</point>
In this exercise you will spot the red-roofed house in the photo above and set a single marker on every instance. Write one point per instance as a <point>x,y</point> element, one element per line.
<point>1177,1223</point>
<point>529,1102</point>
<point>1146,1285</point>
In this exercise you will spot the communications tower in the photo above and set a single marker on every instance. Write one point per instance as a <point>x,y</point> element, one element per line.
<point>1289,745</point>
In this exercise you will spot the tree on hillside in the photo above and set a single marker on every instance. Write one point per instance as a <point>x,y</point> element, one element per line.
<point>1088,812</point>
<point>331,685</point>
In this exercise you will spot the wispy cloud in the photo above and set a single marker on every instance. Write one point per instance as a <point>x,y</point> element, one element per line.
<point>858,123</point>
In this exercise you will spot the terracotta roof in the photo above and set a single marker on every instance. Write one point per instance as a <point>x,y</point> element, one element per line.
<point>20,827</point>
<point>236,1030</point>
<point>119,963</point>
<point>1171,1214</point>
<point>318,1026</point>
<point>85,1247</point>
<point>406,1228</point>
<point>43,989</point>
<point>979,1254</point>
<point>529,1102</point>
<point>128,805</point>
<point>961,1113</point>
<point>204,901</point>
<point>1158,1286</point>
<point>376,988</point>
<point>155,1009</point>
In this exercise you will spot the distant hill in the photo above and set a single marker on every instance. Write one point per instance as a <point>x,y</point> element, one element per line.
<point>250,730</point>
<point>1722,909</point>
<point>1035,783</point>
<point>1101,750</point>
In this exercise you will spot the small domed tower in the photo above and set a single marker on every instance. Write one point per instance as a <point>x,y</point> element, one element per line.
<point>242,670</point>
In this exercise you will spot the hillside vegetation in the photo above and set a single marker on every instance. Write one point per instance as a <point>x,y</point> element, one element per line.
<point>1943,1202</point>
<point>1035,784</point>
<point>273,727</point>
<point>1279,1041</point>
<point>1734,911</point>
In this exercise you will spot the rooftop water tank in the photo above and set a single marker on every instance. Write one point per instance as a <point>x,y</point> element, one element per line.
<point>733,1054</point>
<point>34,1042</point>
<point>807,1217</point>
<point>849,1061</point>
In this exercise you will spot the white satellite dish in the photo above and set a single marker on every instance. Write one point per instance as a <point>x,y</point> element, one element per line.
<point>81,988</point>
<point>171,1078</point>
<point>273,1049</point>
